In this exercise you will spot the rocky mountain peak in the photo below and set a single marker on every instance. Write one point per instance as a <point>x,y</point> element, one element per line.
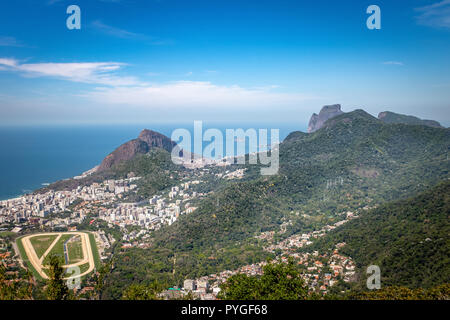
<point>327,112</point>
<point>147,140</point>
<point>156,139</point>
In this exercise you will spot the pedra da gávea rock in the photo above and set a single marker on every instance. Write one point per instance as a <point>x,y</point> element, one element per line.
<point>317,120</point>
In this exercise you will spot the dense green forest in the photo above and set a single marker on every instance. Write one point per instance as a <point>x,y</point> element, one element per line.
<point>280,281</point>
<point>408,240</point>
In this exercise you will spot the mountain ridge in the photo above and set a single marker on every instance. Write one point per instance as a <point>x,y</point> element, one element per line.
<point>392,117</point>
<point>328,112</point>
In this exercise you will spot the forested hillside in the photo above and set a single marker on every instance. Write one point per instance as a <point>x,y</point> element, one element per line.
<point>407,239</point>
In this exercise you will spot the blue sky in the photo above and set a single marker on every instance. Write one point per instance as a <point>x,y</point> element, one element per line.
<point>235,60</point>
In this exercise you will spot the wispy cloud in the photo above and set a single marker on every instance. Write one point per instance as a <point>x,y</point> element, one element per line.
<point>117,32</point>
<point>9,42</point>
<point>88,72</point>
<point>8,62</point>
<point>393,63</point>
<point>435,15</point>
<point>153,74</point>
<point>51,2</point>
<point>125,34</point>
<point>112,89</point>
<point>195,95</point>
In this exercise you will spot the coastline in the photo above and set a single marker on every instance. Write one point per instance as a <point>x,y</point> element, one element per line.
<point>46,184</point>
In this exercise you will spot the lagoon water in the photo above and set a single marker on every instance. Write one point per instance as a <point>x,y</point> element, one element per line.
<point>30,157</point>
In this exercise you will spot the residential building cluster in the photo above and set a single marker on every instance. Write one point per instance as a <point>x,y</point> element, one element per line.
<point>9,260</point>
<point>104,242</point>
<point>304,239</point>
<point>151,214</point>
<point>237,174</point>
<point>32,208</point>
<point>321,271</point>
<point>318,271</point>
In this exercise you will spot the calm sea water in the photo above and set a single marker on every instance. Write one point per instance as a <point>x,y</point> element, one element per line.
<point>33,156</point>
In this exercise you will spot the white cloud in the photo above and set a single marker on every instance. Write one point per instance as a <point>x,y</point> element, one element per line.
<point>125,34</point>
<point>114,90</point>
<point>51,2</point>
<point>9,42</point>
<point>87,72</point>
<point>196,95</point>
<point>153,74</point>
<point>7,62</point>
<point>116,32</point>
<point>395,63</point>
<point>435,15</point>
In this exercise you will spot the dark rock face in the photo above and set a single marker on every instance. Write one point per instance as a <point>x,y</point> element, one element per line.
<point>147,140</point>
<point>156,139</point>
<point>317,120</point>
<point>313,123</point>
<point>391,117</point>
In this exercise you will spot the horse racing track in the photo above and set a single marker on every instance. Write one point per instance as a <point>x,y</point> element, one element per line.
<point>74,248</point>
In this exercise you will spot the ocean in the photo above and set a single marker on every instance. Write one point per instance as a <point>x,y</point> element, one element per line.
<point>31,157</point>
